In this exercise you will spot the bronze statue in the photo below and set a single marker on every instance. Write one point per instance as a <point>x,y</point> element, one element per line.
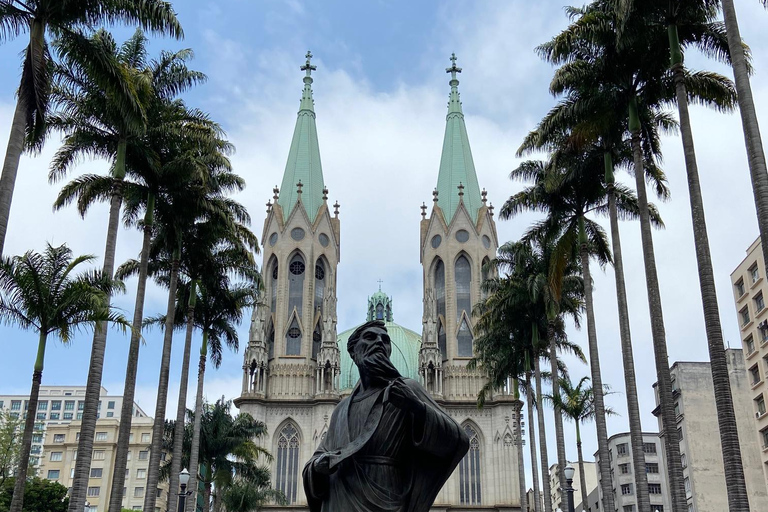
<point>389,446</point>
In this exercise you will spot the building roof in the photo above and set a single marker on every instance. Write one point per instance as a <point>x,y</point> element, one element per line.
<point>456,165</point>
<point>405,344</point>
<point>303,164</point>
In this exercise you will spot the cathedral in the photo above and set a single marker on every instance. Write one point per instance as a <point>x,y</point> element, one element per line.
<point>296,367</point>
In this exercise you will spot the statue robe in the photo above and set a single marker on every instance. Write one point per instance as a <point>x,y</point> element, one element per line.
<point>384,462</point>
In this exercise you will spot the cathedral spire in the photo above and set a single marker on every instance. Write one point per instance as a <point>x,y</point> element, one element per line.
<point>304,157</point>
<point>456,165</point>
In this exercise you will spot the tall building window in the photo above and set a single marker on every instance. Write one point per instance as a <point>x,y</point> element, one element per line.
<point>760,405</point>
<point>626,489</point>
<point>754,375</point>
<point>739,288</point>
<point>749,343</point>
<point>470,492</point>
<point>273,286</point>
<point>649,448</point>
<point>654,488</point>
<point>317,339</point>
<point>464,339</point>
<point>296,271</point>
<point>744,313</point>
<point>55,456</point>
<point>293,339</point>
<point>622,449</point>
<point>440,306</point>
<point>759,302</point>
<point>287,471</point>
<point>652,468</point>
<point>379,311</point>
<point>754,274</point>
<point>463,275</point>
<point>53,474</point>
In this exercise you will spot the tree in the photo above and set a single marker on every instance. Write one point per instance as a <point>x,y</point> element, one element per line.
<point>40,495</point>
<point>245,496</point>
<point>578,404</point>
<point>39,18</point>
<point>11,428</point>
<point>567,187</point>
<point>42,292</point>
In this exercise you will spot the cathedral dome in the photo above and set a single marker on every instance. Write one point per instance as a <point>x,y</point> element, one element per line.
<point>405,343</point>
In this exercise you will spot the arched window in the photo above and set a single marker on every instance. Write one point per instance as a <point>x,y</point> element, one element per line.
<point>271,340</point>
<point>319,285</point>
<point>287,471</point>
<point>470,492</point>
<point>296,271</point>
<point>463,275</point>
<point>486,274</point>
<point>273,286</point>
<point>440,306</point>
<point>317,338</point>
<point>293,339</point>
<point>464,339</point>
<point>379,311</point>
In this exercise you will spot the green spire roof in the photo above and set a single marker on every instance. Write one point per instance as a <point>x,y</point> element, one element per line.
<point>304,157</point>
<point>457,178</point>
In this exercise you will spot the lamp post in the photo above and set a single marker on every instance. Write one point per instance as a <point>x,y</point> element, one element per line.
<point>183,481</point>
<point>568,472</point>
<point>87,507</point>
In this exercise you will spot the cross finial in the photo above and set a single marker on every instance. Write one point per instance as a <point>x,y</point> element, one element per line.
<point>325,193</point>
<point>423,210</point>
<point>308,67</point>
<point>484,193</point>
<point>336,208</point>
<point>269,206</point>
<point>453,69</point>
<point>276,192</point>
<point>434,195</point>
<point>461,189</point>
<point>491,209</point>
<point>299,185</point>
<point>380,281</point>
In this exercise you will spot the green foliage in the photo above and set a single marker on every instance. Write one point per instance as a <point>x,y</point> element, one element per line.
<point>10,443</point>
<point>40,495</point>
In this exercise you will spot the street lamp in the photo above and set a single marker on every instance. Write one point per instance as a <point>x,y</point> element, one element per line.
<point>568,473</point>
<point>87,507</point>
<point>183,481</point>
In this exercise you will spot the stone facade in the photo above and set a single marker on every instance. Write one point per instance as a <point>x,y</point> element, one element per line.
<point>698,429</point>
<point>293,361</point>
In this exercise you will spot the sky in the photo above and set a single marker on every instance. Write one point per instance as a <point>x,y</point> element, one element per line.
<point>380,96</point>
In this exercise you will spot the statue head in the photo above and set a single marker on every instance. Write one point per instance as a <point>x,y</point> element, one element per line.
<point>370,348</point>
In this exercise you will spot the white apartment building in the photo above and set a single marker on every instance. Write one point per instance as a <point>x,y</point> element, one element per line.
<point>58,464</point>
<point>749,291</point>
<point>59,405</point>
<point>559,499</point>
<point>697,427</point>
<point>623,473</point>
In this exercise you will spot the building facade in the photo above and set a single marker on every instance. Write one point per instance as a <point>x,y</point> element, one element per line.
<point>593,502</point>
<point>623,473</point>
<point>296,368</point>
<point>698,430</point>
<point>559,498</point>
<point>58,465</point>
<point>60,405</point>
<point>750,288</point>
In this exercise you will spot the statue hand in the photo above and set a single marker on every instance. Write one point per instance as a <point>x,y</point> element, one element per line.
<point>404,398</point>
<point>322,464</point>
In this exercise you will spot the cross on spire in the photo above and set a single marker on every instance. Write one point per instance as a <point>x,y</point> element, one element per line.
<point>380,281</point>
<point>453,69</point>
<point>308,67</point>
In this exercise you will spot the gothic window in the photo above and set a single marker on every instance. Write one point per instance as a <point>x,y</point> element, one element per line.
<point>273,286</point>
<point>287,471</point>
<point>486,275</point>
<point>319,285</point>
<point>464,339</point>
<point>440,306</point>
<point>379,311</point>
<point>293,339</point>
<point>463,274</point>
<point>296,271</point>
<point>469,471</point>
<point>271,340</point>
<point>317,338</point>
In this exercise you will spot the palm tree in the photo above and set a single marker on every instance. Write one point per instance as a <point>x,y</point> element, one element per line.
<point>679,17</point>
<point>603,80</point>
<point>245,496</point>
<point>96,125</point>
<point>42,292</point>
<point>567,188</point>
<point>39,18</point>
<point>578,404</point>
<point>219,311</point>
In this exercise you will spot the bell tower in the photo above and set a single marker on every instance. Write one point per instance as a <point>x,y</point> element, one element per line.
<point>457,239</point>
<point>292,352</point>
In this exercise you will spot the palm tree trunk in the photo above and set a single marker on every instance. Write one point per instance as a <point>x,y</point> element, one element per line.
<point>194,455</point>
<point>658,335</point>
<point>16,138</point>
<point>11,167</point>
<point>582,476</point>
<point>217,499</point>
<point>546,487</point>
<point>597,380</point>
<point>630,383</point>
<point>559,436</point>
<point>754,142</point>
<point>532,437</point>
<point>129,392</point>
<point>17,501</point>
<point>153,473</point>
<point>181,411</point>
<point>96,367</point>
<point>207,500</point>
<point>738,501</point>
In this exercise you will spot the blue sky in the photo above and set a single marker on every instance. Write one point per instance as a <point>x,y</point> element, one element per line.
<point>380,94</point>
